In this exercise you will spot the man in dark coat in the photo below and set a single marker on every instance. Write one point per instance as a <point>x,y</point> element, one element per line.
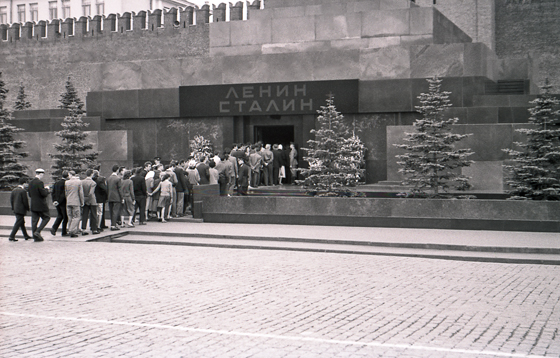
<point>277,163</point>
<point>203,171</point>
<point>39,208</point>
<point>243,180</point>
<point>20,206</point>
<point>115,196</point>
<point>59,202</point>
<point>140,194</point>
<point>177,206</point>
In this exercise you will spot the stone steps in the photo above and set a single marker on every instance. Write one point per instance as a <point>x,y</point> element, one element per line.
<point>548,256</point>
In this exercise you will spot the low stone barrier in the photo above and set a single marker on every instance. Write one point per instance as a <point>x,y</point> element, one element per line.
<point>6,209</point>
<point>474,214</point>
<point>201,192</point>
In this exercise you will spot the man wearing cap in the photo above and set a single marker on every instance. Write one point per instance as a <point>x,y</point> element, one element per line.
<point>39,208</point>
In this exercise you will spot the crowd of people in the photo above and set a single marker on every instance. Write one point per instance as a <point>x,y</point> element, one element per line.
<point>151,192</point>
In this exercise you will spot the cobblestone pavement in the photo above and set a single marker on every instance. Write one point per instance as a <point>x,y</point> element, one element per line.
<point>60,299</point>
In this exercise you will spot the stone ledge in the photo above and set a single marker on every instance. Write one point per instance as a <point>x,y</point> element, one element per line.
<point>477,214</point>
<point>409,223</point>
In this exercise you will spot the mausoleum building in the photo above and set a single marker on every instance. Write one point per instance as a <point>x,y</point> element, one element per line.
<point>154,80</point>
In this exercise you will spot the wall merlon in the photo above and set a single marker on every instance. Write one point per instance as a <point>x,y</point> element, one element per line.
<point>139,21</point>
<point>171,19</point>
<point>154,20</point>
<point>67,28</point>
<point>203,15</point>
<point>187,16</point>
<point>124,22</point>
<point>27,31</point>
<point>95,26</point>
<point>13,32</point>
<point>53,30</point>
<point>219,12</point>
<point>252,7</point>
<point>236,11</point>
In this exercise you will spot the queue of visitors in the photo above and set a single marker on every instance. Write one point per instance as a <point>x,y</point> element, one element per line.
<point>150,192</point>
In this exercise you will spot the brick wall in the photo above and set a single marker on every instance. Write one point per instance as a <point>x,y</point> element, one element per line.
<point>474,17</point>
<point>43,66</point>
<point>531,28</point>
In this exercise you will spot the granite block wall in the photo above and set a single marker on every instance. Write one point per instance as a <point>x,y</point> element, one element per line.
<point>487,141</point>
<point>317,61</point>
<point>170,138</point>
<point>148,103</point>
<point>333,27</point>
<point>114,147</point>
<point>49,120</point>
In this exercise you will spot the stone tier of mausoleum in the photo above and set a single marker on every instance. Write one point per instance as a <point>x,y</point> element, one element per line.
<point>343,25</point>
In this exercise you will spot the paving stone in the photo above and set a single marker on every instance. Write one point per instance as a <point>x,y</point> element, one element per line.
<point>100,299</point>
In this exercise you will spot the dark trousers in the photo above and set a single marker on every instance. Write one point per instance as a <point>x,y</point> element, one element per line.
<point>268,174</point>
<point>140,204</point>
<point>255,178</point>
<point>242,190</point>
<point>223,186</point>
<point>115,212</point>
<point>61,217</point>
<point>35,215</point>
<point>275,174</point>
<point>19,224</point>
<point>89,211</point>
<point>189,198</point>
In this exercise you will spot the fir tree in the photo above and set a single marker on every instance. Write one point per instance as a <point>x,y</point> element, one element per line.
<point>10,169</point>
<point>431,163</point>
<point>21,101</point>
<point>73,153</point>
<point>70,99</point>
<point>336,159</point>
<point>535,172</point>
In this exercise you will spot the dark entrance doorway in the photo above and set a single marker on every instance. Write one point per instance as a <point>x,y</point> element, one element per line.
<point>274,135</point>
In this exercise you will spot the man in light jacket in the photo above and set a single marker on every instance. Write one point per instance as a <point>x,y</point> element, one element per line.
<point>74,202</point>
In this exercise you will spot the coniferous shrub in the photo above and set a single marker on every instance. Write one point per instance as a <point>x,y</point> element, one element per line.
<point>336,158</point>
<point>21,101</point>
<point>431,163</point>
<point>10,148</point>
<point>70,99</point>
<point>535,170</point>
<point>73,153</point>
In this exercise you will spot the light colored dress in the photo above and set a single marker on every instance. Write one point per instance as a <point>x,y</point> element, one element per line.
<point>128,192</point>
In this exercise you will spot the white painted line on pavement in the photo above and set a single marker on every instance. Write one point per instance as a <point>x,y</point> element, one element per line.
<point>274,336</point>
